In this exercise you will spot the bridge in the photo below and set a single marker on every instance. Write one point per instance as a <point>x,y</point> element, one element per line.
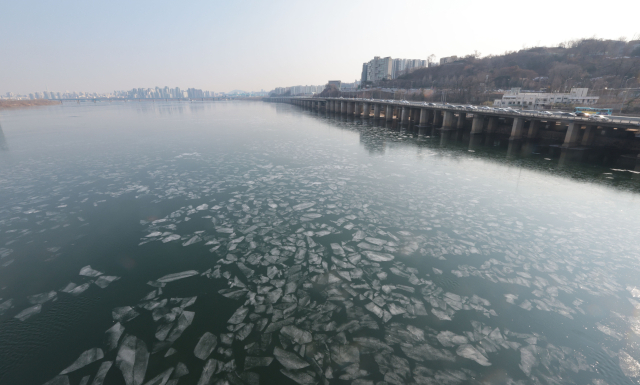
<point>577,134</point>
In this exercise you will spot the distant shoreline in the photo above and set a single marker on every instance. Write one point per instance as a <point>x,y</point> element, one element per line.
<point>27,103</point>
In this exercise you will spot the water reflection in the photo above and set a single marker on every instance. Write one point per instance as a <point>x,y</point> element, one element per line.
<point>3,141</point>
<point>378,135</point>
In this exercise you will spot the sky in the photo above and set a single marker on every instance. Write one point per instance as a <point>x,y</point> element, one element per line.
<point>102,46</point>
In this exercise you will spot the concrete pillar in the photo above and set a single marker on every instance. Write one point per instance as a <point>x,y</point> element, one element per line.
<point>423,117</point>
<point>343,107</point>
<point>437,116</point>
<point>405,115</point>
<point>589,135</point>
<point>571,138</point>
<point>376,111</point>
<point>415,116</point>
<point>516,130</point>
<point>534,127</point>
<point>493,124</point>
<point>461,118</point>
<point>448,119</point>
<point>388,115</point>
<point>366,110</point>
<point>476,125</point>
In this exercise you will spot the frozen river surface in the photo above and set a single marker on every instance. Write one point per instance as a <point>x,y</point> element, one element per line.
<point>255,243</point>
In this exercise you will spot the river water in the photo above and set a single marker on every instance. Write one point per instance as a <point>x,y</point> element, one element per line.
<point>250,242</point>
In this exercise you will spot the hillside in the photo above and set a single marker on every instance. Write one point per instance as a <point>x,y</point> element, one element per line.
<point>603,66</point>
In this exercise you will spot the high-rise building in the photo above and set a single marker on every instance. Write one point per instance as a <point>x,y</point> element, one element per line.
<point>377,69</point>
<point>404,66</point>
<point>365,70</point>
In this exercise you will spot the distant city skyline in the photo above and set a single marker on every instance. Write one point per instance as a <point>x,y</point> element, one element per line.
<point>249,45</point>
<point>134,93</point>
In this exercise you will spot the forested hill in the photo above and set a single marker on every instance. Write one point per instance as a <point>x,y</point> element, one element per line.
<point>591,63</point>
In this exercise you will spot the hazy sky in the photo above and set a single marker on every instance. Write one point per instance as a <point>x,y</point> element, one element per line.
<point>219,46</point>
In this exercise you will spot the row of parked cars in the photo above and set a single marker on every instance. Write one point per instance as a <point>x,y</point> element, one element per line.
<point>600,118</point>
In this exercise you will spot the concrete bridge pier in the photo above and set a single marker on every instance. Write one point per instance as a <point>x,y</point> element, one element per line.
<point>516,129</point>
<point>343,107</point>
<point>424,116</point>
<point>589,135</point>
<point>534,129</point>
<point>492,125</point>
<point>448,119</point>
<point>415,116</point>
<point>477,124</point>
<point>376,111</point>
<point>437,121</point>
<point>366,110</point>
<point>462,117</point>
<point>388,115</point>
<point>571,138</point>
<point>405,115</point>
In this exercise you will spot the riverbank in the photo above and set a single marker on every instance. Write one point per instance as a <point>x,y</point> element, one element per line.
<point>27,103</point>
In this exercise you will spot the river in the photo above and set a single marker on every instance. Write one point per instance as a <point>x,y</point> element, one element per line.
<point>249,242</point>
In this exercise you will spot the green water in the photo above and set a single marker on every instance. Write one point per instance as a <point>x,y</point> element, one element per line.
<point>316,249</point>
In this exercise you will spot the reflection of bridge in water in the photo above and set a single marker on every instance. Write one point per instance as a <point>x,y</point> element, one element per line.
<point>576,139</point>
<point>380,136</point>
<point>3,141</point>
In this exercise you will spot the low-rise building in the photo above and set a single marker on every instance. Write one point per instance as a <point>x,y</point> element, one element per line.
<point>515,98</point>
<point>448,59</point>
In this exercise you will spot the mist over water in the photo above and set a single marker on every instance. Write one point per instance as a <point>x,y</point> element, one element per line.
<point>249,242</point>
